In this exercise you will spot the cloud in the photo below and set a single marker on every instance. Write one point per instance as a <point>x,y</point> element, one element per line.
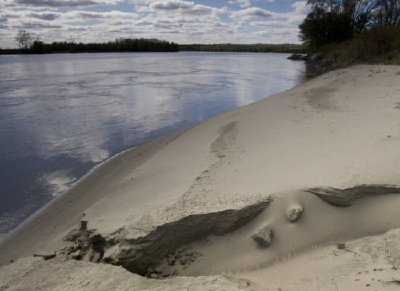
<point>75,15</point>
<point>171,5</point>
<point>183,6</point>
<point>241,3</point>
<point>300,7</point>
<point>63,3</point>
<point>251,12</point>
<point>37,25</point>
<point>44,15</point>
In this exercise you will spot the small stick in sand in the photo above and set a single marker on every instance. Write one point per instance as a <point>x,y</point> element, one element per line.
<point>395,281</point>
<point>84,224</point>
<point>342,246</point>
<point>45,257</point>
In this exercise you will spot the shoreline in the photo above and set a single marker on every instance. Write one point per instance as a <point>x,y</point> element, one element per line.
<point>49,183</point>
<point>250,48</point>
<point>296,171</point>
<point>33,215</point>
<point>138,153</point>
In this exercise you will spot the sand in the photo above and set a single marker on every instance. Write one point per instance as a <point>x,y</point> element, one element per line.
<point>244,201</point>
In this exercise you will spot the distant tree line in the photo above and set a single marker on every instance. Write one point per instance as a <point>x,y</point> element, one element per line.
<point>333,21</point>
<point>254,48</point>
<point>28,45</point>
<point>119,45</point>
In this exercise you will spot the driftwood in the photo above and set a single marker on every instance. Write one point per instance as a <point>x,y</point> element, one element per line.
<point>394,281</point>
<point>342,246</point>
<point>45,257</point>
<point>84,225</point>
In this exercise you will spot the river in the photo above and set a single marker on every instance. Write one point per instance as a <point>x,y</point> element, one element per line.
<point>63,114</point>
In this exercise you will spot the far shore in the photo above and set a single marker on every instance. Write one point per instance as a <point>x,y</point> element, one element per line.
<point>86,48</point>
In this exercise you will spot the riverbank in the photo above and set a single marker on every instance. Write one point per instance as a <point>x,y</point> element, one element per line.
<point>244,194</point>
<point>379,45</point>
<point>158,46</point>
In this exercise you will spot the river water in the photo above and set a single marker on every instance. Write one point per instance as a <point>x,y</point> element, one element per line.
<point>62,114</point>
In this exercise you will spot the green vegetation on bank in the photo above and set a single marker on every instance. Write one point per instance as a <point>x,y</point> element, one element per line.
<point>377,45</point>
<point>342,33</point>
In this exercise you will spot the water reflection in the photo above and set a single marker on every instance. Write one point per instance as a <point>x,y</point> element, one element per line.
<point>62,114</point>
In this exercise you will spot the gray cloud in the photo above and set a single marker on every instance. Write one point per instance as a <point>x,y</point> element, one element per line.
<point>37,25</point>
<point>171,5</point>
<point>44,15</point>
<point>185,6</point>
<point>252,12</point>
<point>87,14</point>
<point>57,3</point>
<point>200,10</point>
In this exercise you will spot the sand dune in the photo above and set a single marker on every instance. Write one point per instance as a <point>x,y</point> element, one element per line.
<point>284,193</point>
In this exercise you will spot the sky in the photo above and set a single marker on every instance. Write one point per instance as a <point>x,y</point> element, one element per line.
<point>180,21</point>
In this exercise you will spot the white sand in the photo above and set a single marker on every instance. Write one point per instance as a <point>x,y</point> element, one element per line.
<point>29,274</point>
<point>338,130</point>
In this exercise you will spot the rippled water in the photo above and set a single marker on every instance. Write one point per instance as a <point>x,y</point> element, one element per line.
<point>60,115</point>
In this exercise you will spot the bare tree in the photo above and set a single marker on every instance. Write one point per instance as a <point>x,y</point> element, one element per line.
<point>361,12</point>
<point>388,13</point>
<point>24,39</point>
<point>327,5</point>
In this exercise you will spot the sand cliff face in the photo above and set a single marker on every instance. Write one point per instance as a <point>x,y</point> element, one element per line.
<point>144,254</point>
<point>297,177</point>
<point>259,234</point>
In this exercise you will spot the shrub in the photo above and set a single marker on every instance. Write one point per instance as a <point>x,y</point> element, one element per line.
<point>324,27</point>
<point>377,45</point>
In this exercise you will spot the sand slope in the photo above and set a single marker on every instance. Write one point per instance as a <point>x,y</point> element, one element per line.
<point>57,274</point>
<point>369,263</point>
<point>339,130</point>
